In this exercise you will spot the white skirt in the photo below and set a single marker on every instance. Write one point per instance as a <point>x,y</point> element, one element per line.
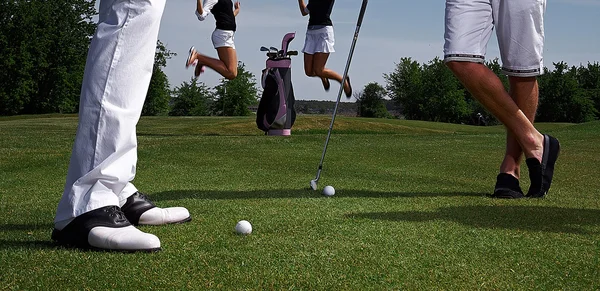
<point>319,41</point>
<point>223,38</point>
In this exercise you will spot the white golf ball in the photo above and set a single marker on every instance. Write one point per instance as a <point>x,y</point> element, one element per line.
<point>243,227</point>
<point>328,191</point>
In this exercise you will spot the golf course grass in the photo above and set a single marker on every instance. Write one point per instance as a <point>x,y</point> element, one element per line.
<point>411,210</point>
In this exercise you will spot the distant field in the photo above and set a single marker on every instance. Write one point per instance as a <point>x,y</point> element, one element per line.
<point>411,209</point>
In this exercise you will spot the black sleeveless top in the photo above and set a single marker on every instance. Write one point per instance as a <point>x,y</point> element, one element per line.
<point>320,11</point>
<point>223,12</point>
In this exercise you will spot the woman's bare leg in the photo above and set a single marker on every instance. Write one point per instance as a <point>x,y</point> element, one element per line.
<point>226,65</point>
<point>318,66</point>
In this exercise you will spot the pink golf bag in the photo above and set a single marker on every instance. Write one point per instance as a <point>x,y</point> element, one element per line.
<point>276,113</point>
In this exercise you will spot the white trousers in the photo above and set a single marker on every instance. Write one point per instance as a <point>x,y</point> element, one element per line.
<point>115,82</point>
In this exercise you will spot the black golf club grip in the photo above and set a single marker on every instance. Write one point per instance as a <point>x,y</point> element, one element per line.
<point>363,8</point>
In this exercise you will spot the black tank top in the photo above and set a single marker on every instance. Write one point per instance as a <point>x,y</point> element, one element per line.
<point>223,12</point>
<point>320,11</point>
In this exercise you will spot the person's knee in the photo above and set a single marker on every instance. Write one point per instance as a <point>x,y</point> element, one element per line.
<point>516,80</point>
<point>318,71</point>
<point>459,68</point>
<point>454,65</point>
<point>309,72</point>
<point>231,75</point>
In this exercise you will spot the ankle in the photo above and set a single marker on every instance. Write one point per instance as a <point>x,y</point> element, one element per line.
<point>534,146</point>
<point>515,174</point>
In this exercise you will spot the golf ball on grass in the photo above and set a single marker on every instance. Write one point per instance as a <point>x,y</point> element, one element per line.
<point>328,191</point>
<point>243,227</point>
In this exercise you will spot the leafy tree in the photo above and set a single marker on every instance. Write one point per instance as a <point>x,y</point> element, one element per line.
<point>561,99</point>
<point>371,101</point>
<point>404,86</point>
<point>191,99</point>
<point>157,98</point>
<point>235,96</point>
<point>44,47</point>
<point>588,79</point>
<point>444,95</point>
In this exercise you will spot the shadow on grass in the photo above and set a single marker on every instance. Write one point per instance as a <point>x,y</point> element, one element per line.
<point>294,193</point>
<point>528,218</point>
<point>194,134</point>
<point>23,229</point>
<point>27,244</point>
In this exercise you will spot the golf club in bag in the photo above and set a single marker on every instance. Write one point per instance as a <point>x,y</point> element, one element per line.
<point>276,113</point>
<point>313,183</point>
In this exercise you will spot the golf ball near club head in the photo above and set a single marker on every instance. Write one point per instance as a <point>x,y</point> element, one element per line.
<point>243,227</point>
<point>328,191</point>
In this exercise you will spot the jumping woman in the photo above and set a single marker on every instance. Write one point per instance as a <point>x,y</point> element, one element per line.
<point>225,12</point>
<point>319,43</point>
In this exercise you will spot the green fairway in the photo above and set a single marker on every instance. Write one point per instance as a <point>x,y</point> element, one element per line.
<point>411,209</point>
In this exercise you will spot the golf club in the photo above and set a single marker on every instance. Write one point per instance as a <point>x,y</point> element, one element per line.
<point>264,49</point>
<point>314,183</point>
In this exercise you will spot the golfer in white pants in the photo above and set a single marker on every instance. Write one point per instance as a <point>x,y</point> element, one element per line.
<point>100,205</point>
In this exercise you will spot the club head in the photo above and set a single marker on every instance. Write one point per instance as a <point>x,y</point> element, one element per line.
<point>274,49</point>
<point>313,184</point>
<point>264,49</point>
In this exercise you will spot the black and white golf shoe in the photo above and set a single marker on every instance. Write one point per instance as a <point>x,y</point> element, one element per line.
<point>139,210</point>
<point>107,229</point>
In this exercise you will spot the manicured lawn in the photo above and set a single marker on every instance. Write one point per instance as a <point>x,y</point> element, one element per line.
<point>410,212</point>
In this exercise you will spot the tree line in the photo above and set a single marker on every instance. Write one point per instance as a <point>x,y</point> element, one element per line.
<point>430,92</point>
<point>43,50</point>
<point>44,46</point>
<point>194,98</point>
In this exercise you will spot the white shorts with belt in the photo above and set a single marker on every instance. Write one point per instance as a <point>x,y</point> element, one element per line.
<point>223,38</point>
<point>519,28</point>
<point>319,41</point>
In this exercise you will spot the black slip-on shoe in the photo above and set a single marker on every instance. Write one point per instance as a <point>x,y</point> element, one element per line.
<point>139,210</point>
<point>326,84</point>
<point>106,229</point>
<point>349,93</point>
<point>507,187</point>
<point>541,173</point>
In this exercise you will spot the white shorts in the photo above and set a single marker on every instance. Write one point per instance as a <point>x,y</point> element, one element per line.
<point>223,38</point>
<point>319,40</point>
<point>519,28</point>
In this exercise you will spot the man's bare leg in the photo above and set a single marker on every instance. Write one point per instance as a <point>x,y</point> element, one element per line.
<point>541,151</point>
<point>487,88</point>
<point>524,92</point>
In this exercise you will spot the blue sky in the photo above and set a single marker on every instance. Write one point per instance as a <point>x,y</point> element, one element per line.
<point>391,30</point>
